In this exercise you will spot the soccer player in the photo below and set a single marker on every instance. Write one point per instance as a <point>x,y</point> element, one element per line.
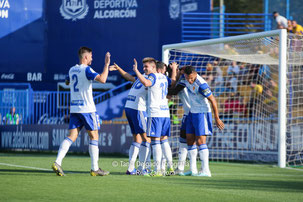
<point>182,92</point>
<point>135,110</point>
<point>166,150</point>
<point>199,120</point>
<point>83,109</point>
<point>158,121</point>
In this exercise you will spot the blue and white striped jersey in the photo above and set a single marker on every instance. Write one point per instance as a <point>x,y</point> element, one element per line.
<point>81,78</point>
<point>198,93</point>
<point>136,98</point>
<point>157,103</point>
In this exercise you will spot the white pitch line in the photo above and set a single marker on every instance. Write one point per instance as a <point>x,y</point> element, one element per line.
<point>20,166</point>
<point>256,175</point>
<point>298,169</point>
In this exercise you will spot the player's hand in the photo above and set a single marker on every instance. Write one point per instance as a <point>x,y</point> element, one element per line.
<point>107,59</point>
<point>174,65</point>
<point>135,66</point>
<point>113,67</point>
<point>219,124</point>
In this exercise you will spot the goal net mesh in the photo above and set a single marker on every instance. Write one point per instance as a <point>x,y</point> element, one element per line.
<point>243,76</point>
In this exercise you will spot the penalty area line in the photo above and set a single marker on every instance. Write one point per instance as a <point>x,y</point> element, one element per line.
<point>20,166</point>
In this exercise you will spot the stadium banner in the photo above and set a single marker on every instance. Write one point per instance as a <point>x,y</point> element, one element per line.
<point>53,31</point>
<point>113,138</point>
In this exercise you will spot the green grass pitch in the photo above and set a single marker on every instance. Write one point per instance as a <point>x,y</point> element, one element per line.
<point>28,177</point>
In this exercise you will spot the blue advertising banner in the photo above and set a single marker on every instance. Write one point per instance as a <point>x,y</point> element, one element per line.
<point>112,138</point>
<point>41,38</point>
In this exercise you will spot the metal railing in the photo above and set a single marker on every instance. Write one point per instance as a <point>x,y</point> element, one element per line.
<point>199,26</point>
<point>44,107</point>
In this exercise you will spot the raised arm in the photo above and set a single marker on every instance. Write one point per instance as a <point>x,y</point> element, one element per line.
<point>213,102</point>
<point>142,79</point>
<point>103,76</point>
<point>124,74</point>
<point>176,89</point>
<point>174,67</point>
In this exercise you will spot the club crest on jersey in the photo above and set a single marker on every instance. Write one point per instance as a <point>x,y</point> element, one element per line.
<point>73,9</point>
<point>174,9</point>
<point>194,87</point>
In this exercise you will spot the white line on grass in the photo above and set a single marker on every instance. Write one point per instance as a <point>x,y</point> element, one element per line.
<point>20,166</point>
<point>294,169</point>
<point>256,175</point>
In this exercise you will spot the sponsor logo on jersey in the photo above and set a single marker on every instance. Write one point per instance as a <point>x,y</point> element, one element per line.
<point>73,9</point>
<point>131,98</point>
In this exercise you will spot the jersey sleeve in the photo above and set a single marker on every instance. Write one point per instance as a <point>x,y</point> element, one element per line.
<point>205,90</point>
<point>168,80</point>
<point>182,80</point>
<point>152,78</point>
<point>90,73</point>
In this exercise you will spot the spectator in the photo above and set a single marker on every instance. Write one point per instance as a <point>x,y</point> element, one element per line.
<point>242,77</point>
<point>271,103</point>
<point>233,72</point>
<point>253,73</point>
<point>209,76</point>
<point>289,26</point>
<point>264,73</point>
<point>234,105</point>
<point>281,21</point>
<point>12,118</point>
<point>218,81</point>
<point>296,28</point>
<point>255,100</point>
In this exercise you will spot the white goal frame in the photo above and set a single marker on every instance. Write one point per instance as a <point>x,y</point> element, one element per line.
<point>282,33</point>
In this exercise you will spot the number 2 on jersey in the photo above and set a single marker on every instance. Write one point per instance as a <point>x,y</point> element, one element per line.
<point>75,78</point>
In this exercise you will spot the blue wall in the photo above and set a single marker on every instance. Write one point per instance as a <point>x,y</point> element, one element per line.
<point>42,45</point>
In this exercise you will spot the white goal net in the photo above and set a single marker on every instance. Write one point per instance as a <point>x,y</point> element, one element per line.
<point>257,80</point>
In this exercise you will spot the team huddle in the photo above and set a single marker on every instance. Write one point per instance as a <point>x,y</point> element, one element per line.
<point>148,115</point>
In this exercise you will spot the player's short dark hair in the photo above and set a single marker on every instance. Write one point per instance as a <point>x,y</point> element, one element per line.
<point>189,69</point>
<point>83,50</point>
<point>160,65</point>
<point>275,12</point>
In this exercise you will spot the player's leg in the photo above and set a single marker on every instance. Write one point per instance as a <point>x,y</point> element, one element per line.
<point>91,123</point>
<point>157,155</point>
<point>182,147</point>
<point>93,149</point>
<point>154,128</point>
<point>163,161</point>
<point>205,129</point>
<point>166,150</point>
<point>204,156</point>
<point>133,153</point>
<point>148,167</point>
<point>192,152</point>
<point>137,123</point>
<point>191,145</point>
<point>75,125</point>
<point>143,153</point>
<point>66,143</point>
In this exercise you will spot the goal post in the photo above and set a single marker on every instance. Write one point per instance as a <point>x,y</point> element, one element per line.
<point>272,121</point>
<point>282,97</point>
